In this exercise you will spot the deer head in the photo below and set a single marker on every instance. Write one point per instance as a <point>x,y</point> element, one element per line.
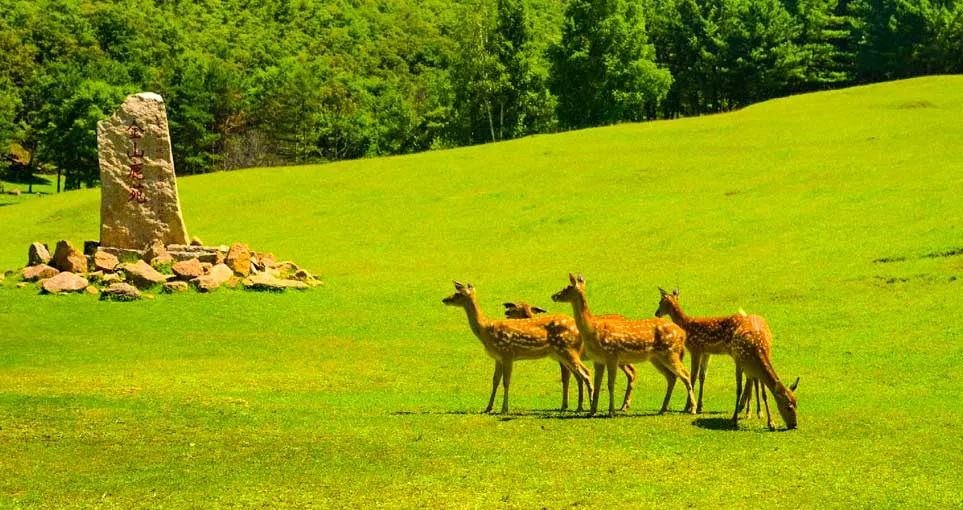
<point>462,296</point>
<point>786,403</point>
<point>668,302</point>
<point>568,294</point>
<point>521,310</point>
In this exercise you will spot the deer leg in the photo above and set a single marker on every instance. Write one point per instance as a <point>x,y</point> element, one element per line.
<point>694,364</point>
<point>746,402</point>
<point>765,400</point>
<point>629,385</point>
<point>703,368</point>
<point>496,379</point>
<point>611,365</point>
<point>573,364</point>
<point>758,410</point>
<point>506,381</point>
<point>746,395</point>
<point>675,365</point>
<point>669,384</point>
<point>581,388</point>
<point>566,375</point>
<point>735,415</point>
<point>599,372</point>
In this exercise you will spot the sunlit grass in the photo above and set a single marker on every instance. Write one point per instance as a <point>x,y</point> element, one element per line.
<point>365,392</point>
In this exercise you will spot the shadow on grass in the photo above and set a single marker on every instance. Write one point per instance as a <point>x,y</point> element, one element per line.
<point>541,414</point>
<point>715,424</point>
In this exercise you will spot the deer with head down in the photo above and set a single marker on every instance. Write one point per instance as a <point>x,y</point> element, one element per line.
<point>522,310</point>
<point>748,340</point>
<point>610,343</point>
<point>509,340</point>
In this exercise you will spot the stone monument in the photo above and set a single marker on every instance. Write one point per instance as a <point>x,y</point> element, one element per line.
<point>139,202</point>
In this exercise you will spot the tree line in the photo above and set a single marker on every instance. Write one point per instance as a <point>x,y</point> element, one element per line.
<point>250,83</point>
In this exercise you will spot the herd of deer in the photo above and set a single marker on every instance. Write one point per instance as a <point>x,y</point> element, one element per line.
<point>613,341</point>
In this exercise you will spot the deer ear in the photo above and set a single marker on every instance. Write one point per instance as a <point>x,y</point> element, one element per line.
<point>471,287</point>
<point>571,278</point>
<point>510,306</point>
<point>663,292</point>
<point>675,292</point>
<point>538,310</point>
<point>581,279</point>
<point>458,285</point>
<point>794,385</point>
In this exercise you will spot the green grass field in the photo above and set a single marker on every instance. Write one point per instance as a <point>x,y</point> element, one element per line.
<point>834,215</point>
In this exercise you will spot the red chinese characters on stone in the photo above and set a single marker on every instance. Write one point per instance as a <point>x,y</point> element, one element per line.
<point>136,155</point>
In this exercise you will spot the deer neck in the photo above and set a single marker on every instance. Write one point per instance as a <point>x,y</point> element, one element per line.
<point>679,317</point>
<point>476,318</point>
<point>583,317</point>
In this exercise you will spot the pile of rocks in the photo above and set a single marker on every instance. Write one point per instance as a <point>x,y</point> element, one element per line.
<point>121,274</point>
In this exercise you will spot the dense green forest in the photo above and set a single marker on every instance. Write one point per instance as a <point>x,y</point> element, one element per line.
<point>292,81</point>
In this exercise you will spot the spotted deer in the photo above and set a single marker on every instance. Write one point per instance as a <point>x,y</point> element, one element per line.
<point>509,340</point>
<point>749,383</point>
<point>522,310</point>
<point>748,340</point>
<point>612,342</point>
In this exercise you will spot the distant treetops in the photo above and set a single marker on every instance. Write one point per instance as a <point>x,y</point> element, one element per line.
<point>293,82</point>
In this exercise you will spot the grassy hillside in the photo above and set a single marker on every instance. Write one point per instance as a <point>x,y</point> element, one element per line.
<point>834,215</point>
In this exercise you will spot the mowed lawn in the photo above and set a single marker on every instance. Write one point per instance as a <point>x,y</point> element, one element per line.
<point>836,215</point>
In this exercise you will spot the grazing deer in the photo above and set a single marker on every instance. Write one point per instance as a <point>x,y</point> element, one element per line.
<point>522,310</point>
<point>744,337</point>
<point>518,339</point>
<point>612,342</point>
<point>703,370</point>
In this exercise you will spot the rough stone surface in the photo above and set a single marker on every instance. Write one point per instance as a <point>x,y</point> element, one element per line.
<point>154,250</point>
<point>176,286</point>
<point>109,278</point>
<point>163,260</point>
<point>188,269</point>
<point>104,261</point>
<point>214,278</point>
<point>264,281</point>
<point>285,270</point>
<point>39,272</point>
<point>266,260</point>
<point>120,292</point>
<point>38,254</point>
<point>65,282</point>
<point>138,207</point>
<point>141,274</point>
<point>239,259</point>
<point>67,258</point>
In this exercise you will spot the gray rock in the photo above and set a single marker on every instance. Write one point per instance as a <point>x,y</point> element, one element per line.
<point>65,282</point>
<point>265,281</point>
<point>120,292</point>
<point>176,286</point>
<point>139,201</point>
<point>38,254</point>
